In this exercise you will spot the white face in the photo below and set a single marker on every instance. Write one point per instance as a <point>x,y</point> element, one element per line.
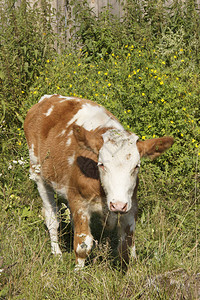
<point>119,162</point>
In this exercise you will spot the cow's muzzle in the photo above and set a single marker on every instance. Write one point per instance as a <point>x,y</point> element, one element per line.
<point>118,207</point>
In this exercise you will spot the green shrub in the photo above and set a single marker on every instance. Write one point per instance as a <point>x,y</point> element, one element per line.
<point>26,42</point>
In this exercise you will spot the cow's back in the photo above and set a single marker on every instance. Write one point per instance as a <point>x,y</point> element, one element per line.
<point>49,116</point>
<point>49,133</point>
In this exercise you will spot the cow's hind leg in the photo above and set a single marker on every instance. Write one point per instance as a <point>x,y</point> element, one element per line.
<point>50,210</point>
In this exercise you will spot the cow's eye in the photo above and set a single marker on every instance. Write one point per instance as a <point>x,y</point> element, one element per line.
<point>135,169</point>
<point>101,165</point>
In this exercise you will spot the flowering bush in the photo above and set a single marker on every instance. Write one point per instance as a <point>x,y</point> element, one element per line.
<point>135,84</point>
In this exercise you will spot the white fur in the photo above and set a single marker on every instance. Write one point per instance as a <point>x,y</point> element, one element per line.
<point>91,117</point>
<point>62,132</point>
<point>52,222</point>
<point>86,245</point>
<point>71,159</point>
<point>84,215</point>
<point>63,99</point>
<point>70,133</point>
<point>33,158</point>
<point>80,264</point>
<point>33,175</point>
<point>49,111</point>
<point>68,142</point>
<point>120,156</point>
<point>44,97</point>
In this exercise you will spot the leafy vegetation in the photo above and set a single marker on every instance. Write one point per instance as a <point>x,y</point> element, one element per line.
<point>148,77</point>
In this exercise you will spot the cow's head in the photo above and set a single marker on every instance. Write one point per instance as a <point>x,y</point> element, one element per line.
<point>119,163</point>
<point>119,153</point>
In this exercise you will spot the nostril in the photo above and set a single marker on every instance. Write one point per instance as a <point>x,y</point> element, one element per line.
<point>125,207</point>
<point>112,206</point>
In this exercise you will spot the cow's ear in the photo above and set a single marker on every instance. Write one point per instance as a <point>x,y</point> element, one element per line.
<point>154,147</point>
<point>87,139</point>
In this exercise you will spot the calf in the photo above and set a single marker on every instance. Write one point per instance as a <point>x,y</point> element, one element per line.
<point>80,150</point>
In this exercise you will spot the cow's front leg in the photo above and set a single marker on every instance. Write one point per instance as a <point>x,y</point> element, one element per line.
<point>126,247</point>
<point>83,240</point>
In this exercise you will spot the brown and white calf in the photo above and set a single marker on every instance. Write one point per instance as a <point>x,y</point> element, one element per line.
<point>80,150</point>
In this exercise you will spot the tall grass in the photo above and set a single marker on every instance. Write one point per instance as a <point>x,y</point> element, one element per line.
<point>148,76</point>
